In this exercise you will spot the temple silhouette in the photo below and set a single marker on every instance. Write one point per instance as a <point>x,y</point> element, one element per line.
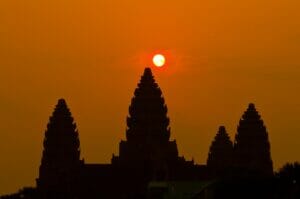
<point>148,164</point>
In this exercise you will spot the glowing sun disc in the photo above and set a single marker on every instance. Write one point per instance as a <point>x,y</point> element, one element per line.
<point>159,60</point>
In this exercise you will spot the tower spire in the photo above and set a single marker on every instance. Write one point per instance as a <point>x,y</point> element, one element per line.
<point>148,113</point>
<point>220,152</point>
<point>61,154</point>
<point>147,148</point>
<point>252,146</point>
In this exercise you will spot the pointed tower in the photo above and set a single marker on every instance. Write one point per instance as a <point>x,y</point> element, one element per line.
<point>252,146</point>
<point>147,146</point>
<point>220,152</point>
<point>147,118</point>
<point>60,158</point>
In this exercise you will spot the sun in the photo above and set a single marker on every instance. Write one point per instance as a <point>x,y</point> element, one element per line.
<point>159,60</point>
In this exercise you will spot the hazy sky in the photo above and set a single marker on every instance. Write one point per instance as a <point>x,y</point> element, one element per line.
<point>221,54</point>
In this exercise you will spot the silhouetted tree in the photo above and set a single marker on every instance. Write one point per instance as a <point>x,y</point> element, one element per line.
<point>25,193</point>
<point>220,152</point>
<point>290,172</point>
<point>251,146</point>
<point>289,181</point>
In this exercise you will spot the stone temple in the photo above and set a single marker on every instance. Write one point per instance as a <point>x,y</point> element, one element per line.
<point>147,155</point>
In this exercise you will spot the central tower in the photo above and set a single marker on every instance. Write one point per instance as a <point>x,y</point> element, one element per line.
<point>147,147</point>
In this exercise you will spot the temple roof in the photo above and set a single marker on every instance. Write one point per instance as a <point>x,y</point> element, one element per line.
<point>252,146</point>
<point>148,112</point>
<point>221,150</point>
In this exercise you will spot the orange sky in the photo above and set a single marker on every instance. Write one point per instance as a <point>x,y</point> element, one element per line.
<point>221,55</point>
